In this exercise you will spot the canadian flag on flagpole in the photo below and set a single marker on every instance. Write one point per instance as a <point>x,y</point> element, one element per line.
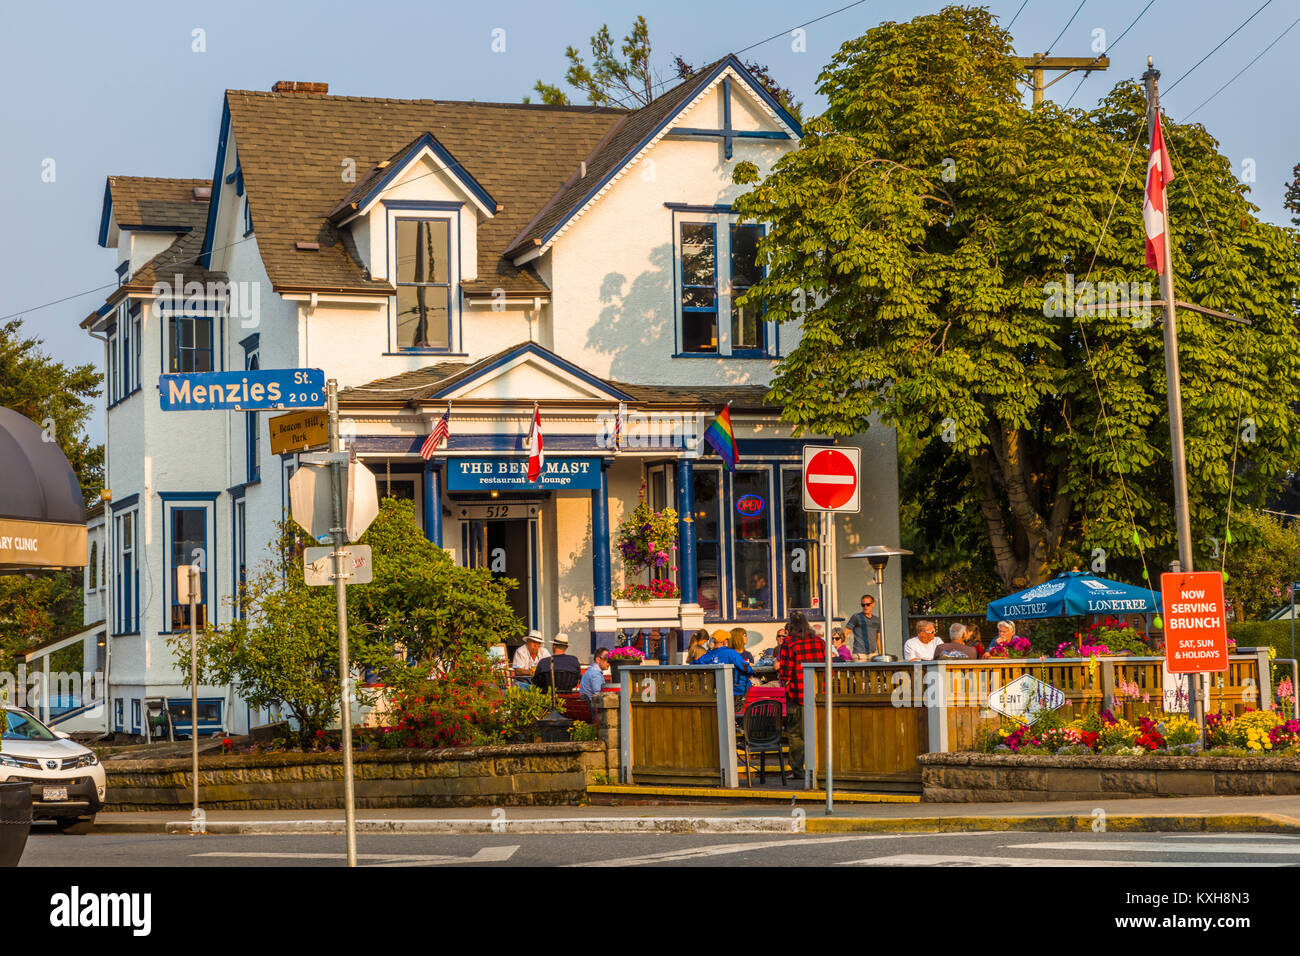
<point>1160,172</point>
<point>536,456</point>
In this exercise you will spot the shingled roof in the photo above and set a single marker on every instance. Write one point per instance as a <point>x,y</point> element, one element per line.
<point>291,146</point>
<point>155,203</point>
<point>418,385</point>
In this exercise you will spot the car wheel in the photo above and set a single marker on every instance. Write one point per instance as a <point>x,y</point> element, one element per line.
<point>75,825</point>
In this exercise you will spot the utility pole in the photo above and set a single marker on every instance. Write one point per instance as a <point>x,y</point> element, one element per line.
<point>338,536</point>
<point>1038,63</point>
<point>196,815</point>
<point>1177,451</point>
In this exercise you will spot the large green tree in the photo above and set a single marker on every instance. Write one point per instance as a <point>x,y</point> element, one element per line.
<point>36,608</point>
<point>920,232</point>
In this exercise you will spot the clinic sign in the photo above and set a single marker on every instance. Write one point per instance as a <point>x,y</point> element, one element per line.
<point>242,391</point>
<point>1196,626</point>
<point>511,474</point>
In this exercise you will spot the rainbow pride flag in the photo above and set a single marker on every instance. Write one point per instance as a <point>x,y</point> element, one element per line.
<point>723,438</point>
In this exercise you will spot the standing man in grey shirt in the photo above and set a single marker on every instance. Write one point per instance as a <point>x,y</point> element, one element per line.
<point>866,629</point>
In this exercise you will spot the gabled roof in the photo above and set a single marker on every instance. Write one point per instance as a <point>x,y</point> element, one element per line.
<point>435,383</point>
<point>367,191</point>
<point>152,203</point>
<point>291,146</point>
<point>633,133</point>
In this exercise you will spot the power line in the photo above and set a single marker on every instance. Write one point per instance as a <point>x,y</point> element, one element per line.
<point>1111,46</point>
<point>1244,69</point>
<point>1052,45</point>
<point>1017,16</point>
<point>1170,88</point>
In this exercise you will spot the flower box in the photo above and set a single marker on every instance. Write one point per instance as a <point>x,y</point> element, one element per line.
<point>655,612</point>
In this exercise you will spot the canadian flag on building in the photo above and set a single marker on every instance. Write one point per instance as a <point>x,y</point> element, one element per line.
<point>1160,172</point>
<point>536,456</point>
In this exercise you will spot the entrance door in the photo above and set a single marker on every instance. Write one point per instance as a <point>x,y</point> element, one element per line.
<point>505,548</point>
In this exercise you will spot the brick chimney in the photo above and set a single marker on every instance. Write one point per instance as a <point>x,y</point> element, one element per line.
<point>298,86</point>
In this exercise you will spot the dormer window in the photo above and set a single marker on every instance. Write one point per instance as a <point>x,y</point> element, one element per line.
<point>424,281</point>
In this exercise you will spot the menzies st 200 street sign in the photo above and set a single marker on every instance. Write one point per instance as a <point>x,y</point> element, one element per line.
<point>243,391</point>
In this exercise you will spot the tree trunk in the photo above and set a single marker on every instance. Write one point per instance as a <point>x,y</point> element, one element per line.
<point>1023,539</point>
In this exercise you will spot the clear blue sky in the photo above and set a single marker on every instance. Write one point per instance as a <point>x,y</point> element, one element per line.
<point>117,89</point>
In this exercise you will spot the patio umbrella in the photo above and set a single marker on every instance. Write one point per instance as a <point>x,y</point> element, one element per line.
<point>42,514</point>
<point>1074,593</point>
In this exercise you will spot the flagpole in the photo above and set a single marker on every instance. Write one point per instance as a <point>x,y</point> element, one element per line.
<point>1182,519</point>
<point>1177,450</point>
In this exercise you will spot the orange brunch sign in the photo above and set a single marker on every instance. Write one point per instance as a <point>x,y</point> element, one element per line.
<point>1196,627</point>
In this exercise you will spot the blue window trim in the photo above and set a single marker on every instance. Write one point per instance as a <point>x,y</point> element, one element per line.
<point>171,346</point>
<point>681,272</point>
<point>252,437</point>
<point>119,714</point>
<point>203,725</point>
<point>717,473</point>
<point>126,575</point>
<point>135,715</point>
<point>207,502</point>
<point>762,350</point>
<point>438,205</point>
<point>248,218</point>
<point>774,542</point>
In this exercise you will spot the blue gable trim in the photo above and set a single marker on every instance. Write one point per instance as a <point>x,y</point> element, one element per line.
<point>189,495</point>
<point>126,502</point>
<point>105,215</point>
<point>547,356</point>
<point>251,342</point>
<point>205,257</point>
<point>752,83</point>
<point>459,172</point>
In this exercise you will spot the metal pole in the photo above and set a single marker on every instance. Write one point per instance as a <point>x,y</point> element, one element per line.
<point>338,534</point>
<point>194,682</point>
<point>1293,621</point>
<point>828,609</point>
<point>1177,451</point>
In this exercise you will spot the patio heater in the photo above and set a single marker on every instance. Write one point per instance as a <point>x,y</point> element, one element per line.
<point>879,555</point>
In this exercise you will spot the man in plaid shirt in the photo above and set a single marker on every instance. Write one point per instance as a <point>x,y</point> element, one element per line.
<point>801,647</point>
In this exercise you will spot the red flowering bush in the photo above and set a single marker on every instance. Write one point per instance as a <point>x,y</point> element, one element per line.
<point>455,709</point>
<point>1149,736</point>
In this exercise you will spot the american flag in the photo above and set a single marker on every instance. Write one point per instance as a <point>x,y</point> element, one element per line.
<point>436,437</point>
<point>1160,172</point>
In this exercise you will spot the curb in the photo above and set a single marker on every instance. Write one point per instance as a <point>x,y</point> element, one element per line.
<point>1154,823</point>
<point>786,824</point>
<point>1053,823</point>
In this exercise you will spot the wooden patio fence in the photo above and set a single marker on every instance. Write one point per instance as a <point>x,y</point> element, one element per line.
<point>885,715</point>
<point>678,725</point>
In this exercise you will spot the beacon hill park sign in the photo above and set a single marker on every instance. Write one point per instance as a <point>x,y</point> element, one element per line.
<point>42,513</point>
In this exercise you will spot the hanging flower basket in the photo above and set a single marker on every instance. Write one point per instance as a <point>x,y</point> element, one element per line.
<point>647,540</point>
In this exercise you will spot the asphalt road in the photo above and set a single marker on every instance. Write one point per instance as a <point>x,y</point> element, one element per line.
<point>1130,850</point>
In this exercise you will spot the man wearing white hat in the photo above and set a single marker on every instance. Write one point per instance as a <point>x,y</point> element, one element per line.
<point>529,656</point>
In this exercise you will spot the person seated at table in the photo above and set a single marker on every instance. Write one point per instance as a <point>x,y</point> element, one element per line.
<point>528,657</point>
<point>1006,631</point>
<point>956,647</point>
<point>561,662</point>
<point>593,679</point>
<point>699,645</point>
<point>760,594</point>
<point>722,653</point>
<point>923,646</point>
<point>839,649</point>
<point>739,638</point>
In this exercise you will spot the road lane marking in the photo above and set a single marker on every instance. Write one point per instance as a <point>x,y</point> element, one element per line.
<point>935,859</point>
<point>724,849</point>
<point>1156,846</point>
<point>488,854</point>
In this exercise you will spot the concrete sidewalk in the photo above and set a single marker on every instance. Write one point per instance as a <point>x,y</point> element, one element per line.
<point>1186,814</point>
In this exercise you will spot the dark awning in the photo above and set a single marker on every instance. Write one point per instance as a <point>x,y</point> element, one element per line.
<point>42,513</point>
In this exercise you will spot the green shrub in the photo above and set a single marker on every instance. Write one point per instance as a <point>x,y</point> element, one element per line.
<point>581,730</point>
<point>520,710</point>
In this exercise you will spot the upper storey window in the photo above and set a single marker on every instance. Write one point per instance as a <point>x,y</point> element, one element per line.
<point>718,261</point>
<point>424,283</point>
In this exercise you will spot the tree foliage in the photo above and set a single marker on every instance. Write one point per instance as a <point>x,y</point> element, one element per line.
<point>420,609</point>
<point>917,233</point>
<point>37,608</point>
<point>1262,562</point>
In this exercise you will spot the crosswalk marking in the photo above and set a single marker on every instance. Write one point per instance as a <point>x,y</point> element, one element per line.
<point>488,854</point>
<point>1159,846</point>
<point>937,859</point>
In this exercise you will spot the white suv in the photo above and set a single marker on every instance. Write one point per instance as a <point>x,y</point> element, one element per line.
<point>67,779</point>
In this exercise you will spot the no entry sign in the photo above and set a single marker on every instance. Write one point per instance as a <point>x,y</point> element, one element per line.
<point>831,478</point>
<point>1196,627</point>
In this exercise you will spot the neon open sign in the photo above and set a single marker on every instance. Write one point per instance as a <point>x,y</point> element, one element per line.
<point>751,506</point>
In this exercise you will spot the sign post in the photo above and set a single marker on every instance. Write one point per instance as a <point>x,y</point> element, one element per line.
<point>1196,630</point>
<point>830,485</point>
<point>187,589</point>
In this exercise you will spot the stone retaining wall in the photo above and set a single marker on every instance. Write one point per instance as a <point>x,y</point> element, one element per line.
<point>999,778</point>
<point>510,775</point>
